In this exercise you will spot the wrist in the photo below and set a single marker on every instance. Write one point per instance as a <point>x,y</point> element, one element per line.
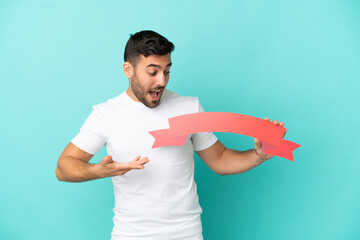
<point>258,156</point>
<point>94,169</point>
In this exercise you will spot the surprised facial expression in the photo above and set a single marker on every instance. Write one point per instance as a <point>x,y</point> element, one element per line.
<point>151,75</point>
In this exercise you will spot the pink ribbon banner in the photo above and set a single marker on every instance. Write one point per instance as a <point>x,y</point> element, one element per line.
<point>181,126</point>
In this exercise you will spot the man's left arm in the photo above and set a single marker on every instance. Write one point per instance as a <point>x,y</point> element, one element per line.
<point>225,161</point>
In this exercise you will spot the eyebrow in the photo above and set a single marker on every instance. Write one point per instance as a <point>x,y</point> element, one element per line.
<point>157,66</point>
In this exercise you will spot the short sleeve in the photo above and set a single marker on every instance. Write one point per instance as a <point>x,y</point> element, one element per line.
<point>203,140</point>
<point>90,138</point>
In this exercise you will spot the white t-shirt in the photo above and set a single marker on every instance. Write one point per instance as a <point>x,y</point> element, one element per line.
<point>159,201</point>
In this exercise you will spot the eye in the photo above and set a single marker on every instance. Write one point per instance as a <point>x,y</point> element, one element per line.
<point>167,73</point>
<point>152,73</point>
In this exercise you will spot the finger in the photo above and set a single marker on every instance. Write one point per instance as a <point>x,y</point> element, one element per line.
<point>139,160</point>
<point>267,119</point>
<point>123,171</point>
<point>285,132</point>
<point>134,166</point>
<point>258,143</point>
<point>275,122</point>
<point>143,161</point>
<point>135,159</point>
<point>127,166</point>
<point>282,124</point>
<point>116,166</point>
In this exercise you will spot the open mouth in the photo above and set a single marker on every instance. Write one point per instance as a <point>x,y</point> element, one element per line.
<point>155,95</point>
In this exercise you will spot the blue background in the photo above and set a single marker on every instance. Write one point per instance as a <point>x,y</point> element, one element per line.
<point>293,61</point>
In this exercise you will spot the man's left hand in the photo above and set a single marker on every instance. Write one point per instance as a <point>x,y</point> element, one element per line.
<point>258,146</point>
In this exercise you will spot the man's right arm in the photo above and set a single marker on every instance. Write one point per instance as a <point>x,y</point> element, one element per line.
<point>73,166</point>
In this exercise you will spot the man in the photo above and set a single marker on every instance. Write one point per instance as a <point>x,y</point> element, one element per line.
<point>158,201</point>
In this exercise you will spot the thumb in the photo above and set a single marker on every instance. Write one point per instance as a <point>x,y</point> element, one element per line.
<point>107,159</point>
<point>258,143</point>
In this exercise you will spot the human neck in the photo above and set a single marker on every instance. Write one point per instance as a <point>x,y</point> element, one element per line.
<point>131,94</point>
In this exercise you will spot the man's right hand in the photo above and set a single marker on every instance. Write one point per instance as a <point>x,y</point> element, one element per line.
<point>109,168</point>
<point>73,166</point>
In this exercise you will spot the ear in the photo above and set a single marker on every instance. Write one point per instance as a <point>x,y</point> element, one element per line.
<point>128,69</point>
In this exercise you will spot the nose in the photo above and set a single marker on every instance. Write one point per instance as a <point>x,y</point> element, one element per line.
<point>161,80</point>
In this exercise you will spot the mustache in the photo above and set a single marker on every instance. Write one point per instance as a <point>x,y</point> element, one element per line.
<point>161,88</point>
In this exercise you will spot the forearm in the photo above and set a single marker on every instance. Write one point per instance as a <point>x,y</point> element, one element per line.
<point>71,169</point>
<point>235,162</point>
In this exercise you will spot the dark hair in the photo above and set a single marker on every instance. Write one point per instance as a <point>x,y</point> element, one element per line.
<point>146,43</point>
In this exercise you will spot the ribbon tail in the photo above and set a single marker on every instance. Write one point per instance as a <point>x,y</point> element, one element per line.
<point>163,138</point>
<point>284,150</point>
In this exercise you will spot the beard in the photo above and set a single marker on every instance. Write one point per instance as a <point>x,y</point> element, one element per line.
<point>140,93</point>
